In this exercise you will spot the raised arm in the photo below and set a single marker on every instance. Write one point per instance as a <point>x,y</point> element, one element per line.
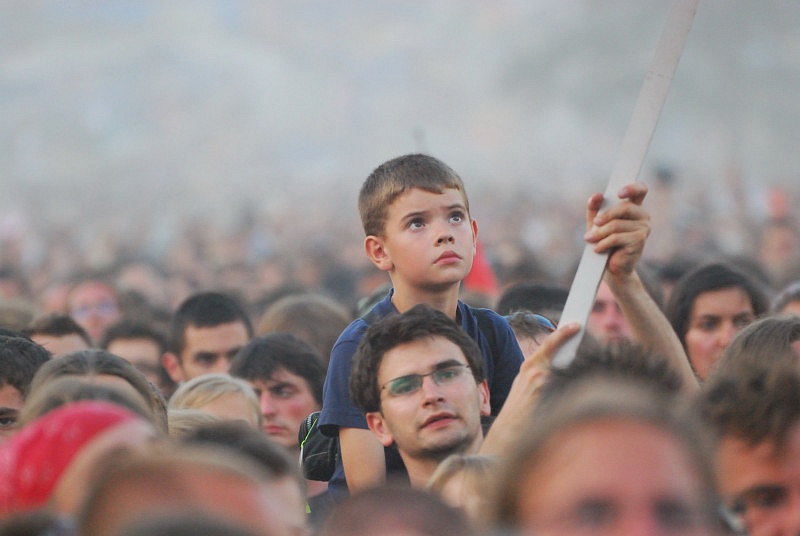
<point>622,230</point>
<point>524,394</point>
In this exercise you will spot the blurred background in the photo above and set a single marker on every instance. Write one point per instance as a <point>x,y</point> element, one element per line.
<point>228,139</point>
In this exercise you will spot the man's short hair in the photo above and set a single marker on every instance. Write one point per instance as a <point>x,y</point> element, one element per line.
<point>420,322</point>
<point>205,310</point>
<point>263,356</point>
<point>537,297</point>
<point>753,402</point>
<point>131,329</point>
<point>624,360</point>
<point>20,358</point>
<point>57,325</point>
<point>397,176</point>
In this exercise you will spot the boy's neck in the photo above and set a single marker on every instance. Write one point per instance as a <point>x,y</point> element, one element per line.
<point>445,301</point>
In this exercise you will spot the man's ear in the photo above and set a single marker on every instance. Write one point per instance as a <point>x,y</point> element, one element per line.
<point>172,364</point>
<point>377,424</point>
<point>377,253</point>
<point>483,393</point>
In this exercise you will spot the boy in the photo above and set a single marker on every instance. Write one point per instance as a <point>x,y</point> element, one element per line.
<point>415,214</point>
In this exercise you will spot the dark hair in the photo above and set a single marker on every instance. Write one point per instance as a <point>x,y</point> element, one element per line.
<point>624,360</point>
<point>131,329</point>
<point>260,358</point>
<point>20,358</point>
<point>543,298</point>
<point>706,278</point>
<point>57,325</point>
<point>395,177</point>
<point>203,310</point>
<point>753,402</point>
<point>420,322</point>
<point>242,438</point>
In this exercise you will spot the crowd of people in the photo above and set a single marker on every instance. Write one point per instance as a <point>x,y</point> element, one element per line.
<point>408,390</point>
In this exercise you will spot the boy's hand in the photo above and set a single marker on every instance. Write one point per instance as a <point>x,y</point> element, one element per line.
<point>620,230</point>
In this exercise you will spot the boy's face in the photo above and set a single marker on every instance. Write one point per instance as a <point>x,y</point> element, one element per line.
<point>429,240</point>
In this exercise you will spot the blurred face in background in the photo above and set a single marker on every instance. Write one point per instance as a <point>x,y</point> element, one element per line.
<point>94,306</point>
<point>716,317</point>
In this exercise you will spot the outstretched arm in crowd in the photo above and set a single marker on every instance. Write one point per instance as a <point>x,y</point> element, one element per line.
<point>518,409</point>
<point>622,230</point>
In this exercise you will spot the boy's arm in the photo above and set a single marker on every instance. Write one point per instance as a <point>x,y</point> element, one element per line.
<point>622,230</point>
<point>362,458</point>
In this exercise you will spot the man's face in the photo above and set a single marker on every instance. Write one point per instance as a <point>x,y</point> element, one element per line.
<point>760,486</point>
<point>429,239</point>
<point>606,321</point>
<point>435,420</point>
<point>144,354</point>
<point>587,480</point>
<point>94,306</point>
<point>210,349</point>
<point>286,400</point>
<point>10,404</point>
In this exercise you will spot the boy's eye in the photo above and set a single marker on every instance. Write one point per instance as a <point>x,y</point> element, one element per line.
<point>457,217</point>
<point>415,223</point>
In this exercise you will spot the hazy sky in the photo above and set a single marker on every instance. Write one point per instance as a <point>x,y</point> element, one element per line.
<point>149,106</point>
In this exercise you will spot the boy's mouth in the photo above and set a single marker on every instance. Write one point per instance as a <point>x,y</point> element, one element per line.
<point>448,256</point>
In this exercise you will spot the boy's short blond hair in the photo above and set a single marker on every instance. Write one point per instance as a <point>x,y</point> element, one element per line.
<point>397,176</point>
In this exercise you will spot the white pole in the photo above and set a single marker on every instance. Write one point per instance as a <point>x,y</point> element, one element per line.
<point>629,163</point>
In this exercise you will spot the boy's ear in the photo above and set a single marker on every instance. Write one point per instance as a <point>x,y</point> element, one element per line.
<point>474,237</point>
<point>377,424</point>
<point>376,251</point>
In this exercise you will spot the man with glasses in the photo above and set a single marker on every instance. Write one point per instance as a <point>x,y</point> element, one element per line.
<point>419,379</point>
<point>754,409</point>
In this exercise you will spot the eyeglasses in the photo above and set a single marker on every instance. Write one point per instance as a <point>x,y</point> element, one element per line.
<point>407,385</point>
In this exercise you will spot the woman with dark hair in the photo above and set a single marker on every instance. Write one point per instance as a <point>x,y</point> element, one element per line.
<point>708,306</point>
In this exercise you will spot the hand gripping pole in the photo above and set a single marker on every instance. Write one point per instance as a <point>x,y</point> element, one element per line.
<point>629,163</point>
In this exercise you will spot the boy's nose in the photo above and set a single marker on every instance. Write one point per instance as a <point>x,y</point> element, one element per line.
<point>446,237</point>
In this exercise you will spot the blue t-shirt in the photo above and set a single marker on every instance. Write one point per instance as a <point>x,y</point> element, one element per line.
<point>501,366</point>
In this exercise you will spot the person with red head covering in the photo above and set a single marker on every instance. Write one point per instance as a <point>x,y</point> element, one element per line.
<point>49,462</point>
